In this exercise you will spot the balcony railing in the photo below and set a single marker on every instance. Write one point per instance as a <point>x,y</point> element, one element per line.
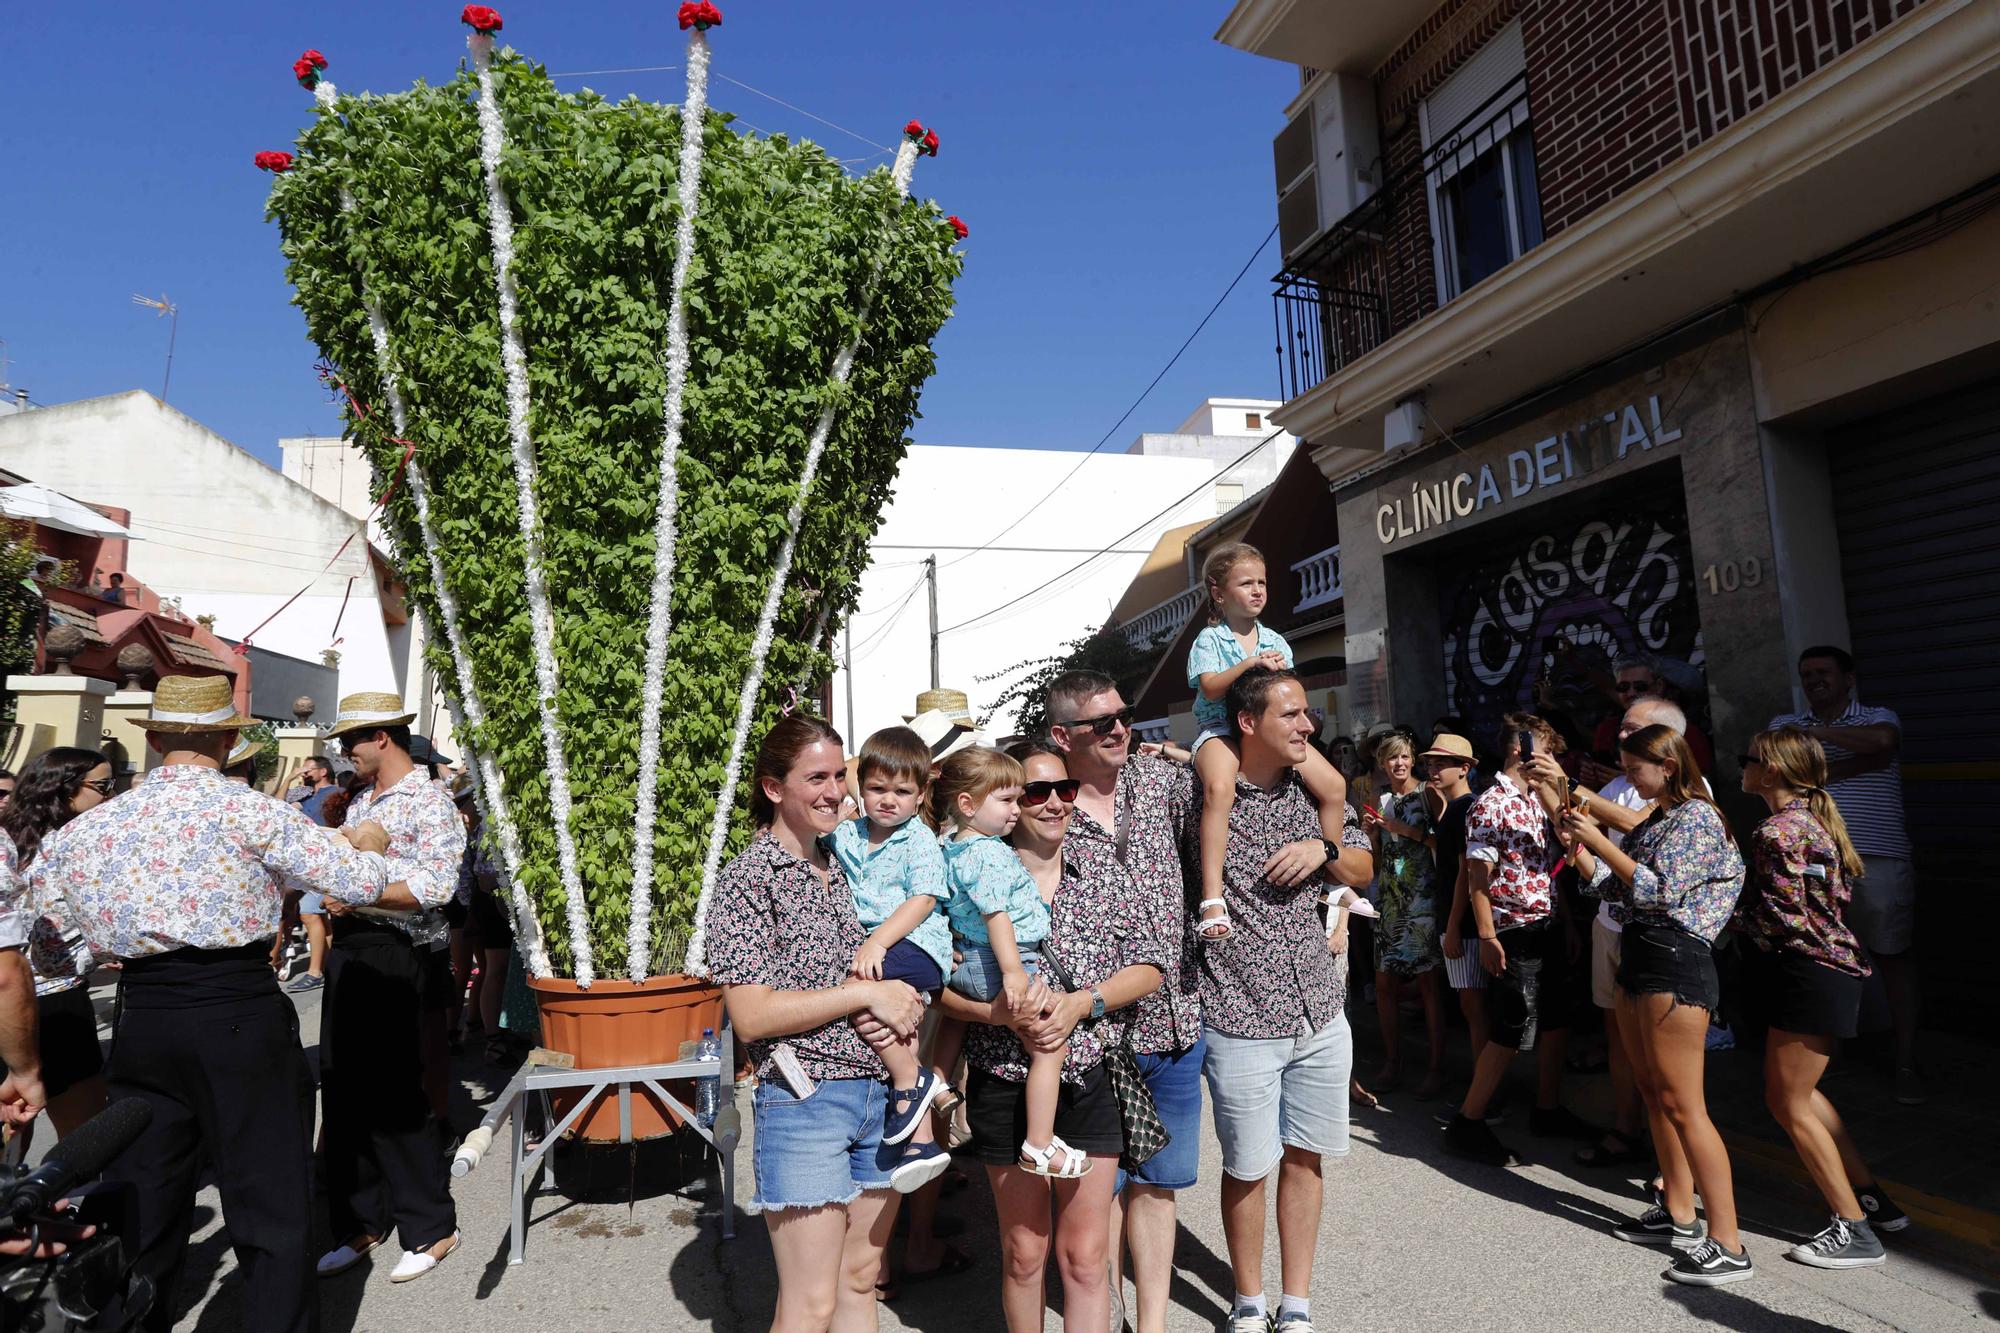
<point>1154,623</point>
<point>1370,275</point>
<point>1319,579</point>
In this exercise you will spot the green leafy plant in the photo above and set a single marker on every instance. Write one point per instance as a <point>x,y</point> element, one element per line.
<point>1110,652</point>
<point>786,243</point>
<point>20,601</point>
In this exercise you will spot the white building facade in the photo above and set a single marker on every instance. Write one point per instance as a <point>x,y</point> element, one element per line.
<point>1223,431</point>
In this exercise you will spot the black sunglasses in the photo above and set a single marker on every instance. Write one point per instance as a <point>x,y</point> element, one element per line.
<point>102,786</point>
<point>1102,726</point>
<point>1745,760</point>
<point>1038,793</point>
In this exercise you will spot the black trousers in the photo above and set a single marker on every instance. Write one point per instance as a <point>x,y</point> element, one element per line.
<point>385,1148</point>
<point>207,1039</point>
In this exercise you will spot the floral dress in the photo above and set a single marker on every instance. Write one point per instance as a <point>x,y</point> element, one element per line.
<point>1406,938</point>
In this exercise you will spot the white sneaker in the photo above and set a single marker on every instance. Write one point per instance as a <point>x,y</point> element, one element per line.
<point>415,1263</point>
<point>337,1261</point>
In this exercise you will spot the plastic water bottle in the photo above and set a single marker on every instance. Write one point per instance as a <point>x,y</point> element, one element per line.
<point>707,1088</point>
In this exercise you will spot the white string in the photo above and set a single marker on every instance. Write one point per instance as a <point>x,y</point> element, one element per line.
<point>488,790</point>
<point>660,622</point>
<point>541,619</point>
<point>760,648</point>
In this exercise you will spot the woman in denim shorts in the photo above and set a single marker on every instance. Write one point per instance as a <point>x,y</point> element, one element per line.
<point>782,932</point>
<point>1107,946</point>
<point>1679,875</point>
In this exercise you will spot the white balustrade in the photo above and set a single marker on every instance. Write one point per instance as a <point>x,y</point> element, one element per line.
<point>1166,618</point>
<point>1319,579</point>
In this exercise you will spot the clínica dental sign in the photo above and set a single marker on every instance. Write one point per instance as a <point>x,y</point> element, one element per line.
<point>1575,452</point>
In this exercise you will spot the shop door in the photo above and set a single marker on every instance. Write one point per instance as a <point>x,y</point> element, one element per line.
<point>1563,601</point>
<point>1917,499</point>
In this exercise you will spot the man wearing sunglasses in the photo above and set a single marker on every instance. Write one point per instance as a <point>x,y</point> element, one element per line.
<point>1635,678</point>
<point>1130,810</point>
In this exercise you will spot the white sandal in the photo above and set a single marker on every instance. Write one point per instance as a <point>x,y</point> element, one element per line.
<point>415,1263</point>
<point>1207,926</point>
<point>1058,1161</point>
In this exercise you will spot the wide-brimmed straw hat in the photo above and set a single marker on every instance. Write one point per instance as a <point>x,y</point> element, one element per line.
<point>370,709</point>
<point>184,705</point>
<point>1447,746</point>
<point>952,703</point>
<point>943,734</point>
<point>244,749</point>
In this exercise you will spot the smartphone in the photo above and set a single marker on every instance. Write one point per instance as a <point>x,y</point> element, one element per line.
<point>1527,739</point>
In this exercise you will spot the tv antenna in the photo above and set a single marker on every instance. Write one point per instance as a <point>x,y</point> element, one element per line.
<point>168,308</point>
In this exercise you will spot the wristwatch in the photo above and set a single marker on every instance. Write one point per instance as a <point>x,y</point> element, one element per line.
<point>1096,1003</point>
<point>1332,850</point>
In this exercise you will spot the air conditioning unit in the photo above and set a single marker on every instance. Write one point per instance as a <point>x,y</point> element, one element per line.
<point>1325,159</point>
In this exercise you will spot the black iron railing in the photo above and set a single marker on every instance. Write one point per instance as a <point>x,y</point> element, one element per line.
<point>1332,303</point>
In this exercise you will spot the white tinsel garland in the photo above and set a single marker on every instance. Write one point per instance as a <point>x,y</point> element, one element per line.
<point>760,647</point>
<point>487,787</point>
<point>541,618</point>
<point>660,623</point>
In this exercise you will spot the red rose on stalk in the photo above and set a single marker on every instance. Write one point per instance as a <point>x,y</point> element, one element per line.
<point>307,67</point>
<point>930,143</point>
<point>699,14</point>
<point>480,18</point>
<point>914,131</point>
<point>958,228</point>
<point>273,161</point>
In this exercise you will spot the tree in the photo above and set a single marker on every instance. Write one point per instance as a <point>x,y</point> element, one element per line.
<point>1108,651</point>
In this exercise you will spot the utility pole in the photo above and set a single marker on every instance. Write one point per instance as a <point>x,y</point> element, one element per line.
<point>847,652</point>
<point>164,307</point>
<point>930,575</point>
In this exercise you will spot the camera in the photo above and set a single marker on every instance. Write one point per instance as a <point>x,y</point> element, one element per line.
<point>90,1285</point>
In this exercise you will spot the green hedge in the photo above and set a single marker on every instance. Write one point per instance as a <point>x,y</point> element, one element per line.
<point>786,242</point>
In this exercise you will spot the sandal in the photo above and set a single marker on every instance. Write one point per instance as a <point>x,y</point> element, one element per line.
<point>1058,1161</point>
<point>1215,928</point>
<point>1360,1096</point>
<point>1602,1153</point>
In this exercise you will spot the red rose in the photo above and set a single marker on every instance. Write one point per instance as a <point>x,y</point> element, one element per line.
<point>914,131</point>
<point>273,161</point>
<point>711,16</point>
<point>699,14</point>
<point>307,67</point>
<point>480,18</point>
<point>958,228</point>
<point>930,143</point>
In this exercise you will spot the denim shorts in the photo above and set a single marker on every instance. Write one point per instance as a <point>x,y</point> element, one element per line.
<point>1174,1079</point>
<point>907,962</point>
<point>312,904</point>
<point>824,1149</point>
<point>977,976</point>
<point>1666,960</point>
<point>1278,1093</point>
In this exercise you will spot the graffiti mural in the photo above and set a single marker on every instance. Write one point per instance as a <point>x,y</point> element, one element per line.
<point>1529,624</point>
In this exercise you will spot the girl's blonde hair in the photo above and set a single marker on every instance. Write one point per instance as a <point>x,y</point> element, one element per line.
<point>976,771</point>
<point>1391,746</point>
<point>1796,760</point>
<point>1216,568</point>
<point>1656,745</point>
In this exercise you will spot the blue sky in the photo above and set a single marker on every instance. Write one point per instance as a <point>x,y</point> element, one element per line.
<point>1114,169</point>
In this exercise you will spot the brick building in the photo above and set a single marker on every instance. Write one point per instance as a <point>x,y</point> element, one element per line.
<point>1662,326</point>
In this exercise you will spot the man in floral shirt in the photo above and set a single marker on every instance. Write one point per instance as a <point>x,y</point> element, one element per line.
<point>1274,996</point>
<point>386,1147</point>
<point>1130,809</point>
<point>1511,857</point>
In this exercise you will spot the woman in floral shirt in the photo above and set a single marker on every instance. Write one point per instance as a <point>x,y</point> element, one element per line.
<point>1803,972</point>
<point>1678,875</point>
<point>1406,938</point>
<point>782,931</point>
<point>1108,946</point>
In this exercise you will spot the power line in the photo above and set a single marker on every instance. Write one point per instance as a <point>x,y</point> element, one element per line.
<point>1141,526</point>
<point>881,632</point>
<point>1126,415</point>
<point>718,74</point>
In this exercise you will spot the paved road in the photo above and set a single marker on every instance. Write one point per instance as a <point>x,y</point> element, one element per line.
<point>1413,1239</point>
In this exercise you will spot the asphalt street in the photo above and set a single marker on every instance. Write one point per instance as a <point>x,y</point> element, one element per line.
<point>1413,1239</point>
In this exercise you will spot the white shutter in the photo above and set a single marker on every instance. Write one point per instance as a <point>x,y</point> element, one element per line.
<point>1475,84</point>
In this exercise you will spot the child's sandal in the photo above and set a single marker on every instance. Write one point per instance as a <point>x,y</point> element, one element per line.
<point>1058,1161</point>
<point>1217,927</point>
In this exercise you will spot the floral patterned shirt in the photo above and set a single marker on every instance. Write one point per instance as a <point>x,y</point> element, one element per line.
<point>1797,893</point>
<point>191,859</point>
<point>426,846</point>
<point>1686,871</point>
<point>986,877</point>
<point>1152,797</point>
<point>1217,649</point>
<point>885,876</point>
<point>772,921</point>
<point>1274,975</point>
<point>1095,930</point>
<point>1510,831</point>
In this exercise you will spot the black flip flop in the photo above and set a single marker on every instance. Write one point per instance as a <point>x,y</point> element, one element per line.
<point>1628,1151</point>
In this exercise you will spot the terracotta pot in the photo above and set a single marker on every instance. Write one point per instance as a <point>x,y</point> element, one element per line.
<point>618,1023</point>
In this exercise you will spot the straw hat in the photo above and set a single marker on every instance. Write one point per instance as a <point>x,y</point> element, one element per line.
<point>952,703</point>
<point>1448,746</point>
<point>245,748</point>
<point>943,734</point>
<point>370,709</point>
<point>183,705</point>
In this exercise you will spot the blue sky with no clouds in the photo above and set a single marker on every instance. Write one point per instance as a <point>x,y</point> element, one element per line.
<point>1114,168</point>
